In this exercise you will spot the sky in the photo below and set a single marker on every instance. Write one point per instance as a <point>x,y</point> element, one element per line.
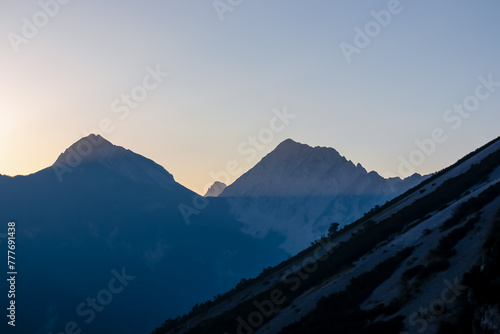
<point>207,88</point>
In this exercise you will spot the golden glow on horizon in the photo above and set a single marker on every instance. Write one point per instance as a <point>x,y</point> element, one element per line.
<point>224,82</point>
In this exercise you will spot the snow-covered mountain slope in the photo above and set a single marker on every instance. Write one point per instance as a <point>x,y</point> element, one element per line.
<point>298,191</point>
<point>426,262</point>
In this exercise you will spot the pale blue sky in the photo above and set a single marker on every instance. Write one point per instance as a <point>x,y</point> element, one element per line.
<point>226,77</point>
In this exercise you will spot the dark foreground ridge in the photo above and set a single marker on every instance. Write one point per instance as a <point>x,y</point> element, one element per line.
<point>426,261</point>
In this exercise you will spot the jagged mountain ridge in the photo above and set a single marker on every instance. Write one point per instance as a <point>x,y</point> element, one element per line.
<point>298,191</point>
<point>295,169</point>
<point>419,263</point>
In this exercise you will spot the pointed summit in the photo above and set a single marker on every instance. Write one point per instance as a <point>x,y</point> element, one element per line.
<point>291,147</point>
<point>96,149</point>
<point>92,147</point>
<point>288,143</point>
<point>295,169</point>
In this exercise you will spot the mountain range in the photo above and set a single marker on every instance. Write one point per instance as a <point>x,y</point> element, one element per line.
<point>102,213</point>
<point>427,261</point>
<point>101,210</point>
<point>298,191</point>
<point>295,169</point>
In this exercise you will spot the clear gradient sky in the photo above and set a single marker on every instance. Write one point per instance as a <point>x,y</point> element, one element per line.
<point>226,77</point>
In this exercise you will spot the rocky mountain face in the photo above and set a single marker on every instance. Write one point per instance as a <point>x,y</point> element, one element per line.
<point>298,191</point>
<point>216,189</point>
<point>295,169</point>
<point>428,261</point>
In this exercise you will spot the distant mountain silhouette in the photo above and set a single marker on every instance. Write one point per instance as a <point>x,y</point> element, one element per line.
<point>101,208</point>
<point>216,189</point>
<point>94,148</point>
<point>429,260</point>
<point>298,191</point>
<point>295,169</point>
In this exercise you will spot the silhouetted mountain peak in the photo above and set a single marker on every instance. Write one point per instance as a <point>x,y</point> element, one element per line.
<point>94,148</point>
<point>298,169</point>
<point>289,143</point>
<point>440,237</point>
<point>290,146</point>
